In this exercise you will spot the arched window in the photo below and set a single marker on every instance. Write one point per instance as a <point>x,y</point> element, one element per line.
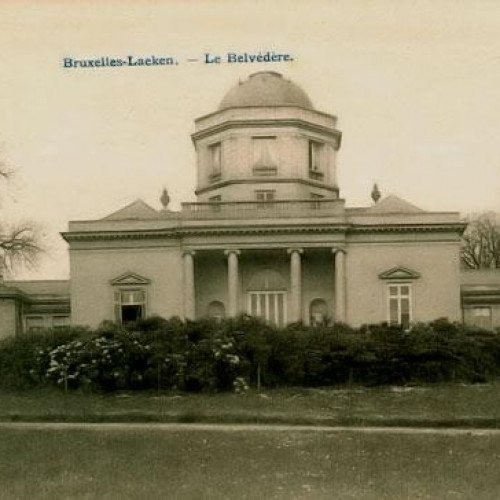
<point>216,310</point>
<point>317,311</point>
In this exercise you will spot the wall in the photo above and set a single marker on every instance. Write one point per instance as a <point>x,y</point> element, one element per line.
<point>291,159</point>
<point>8,317</point>
<point>435,294</point>
<point>92,269</point>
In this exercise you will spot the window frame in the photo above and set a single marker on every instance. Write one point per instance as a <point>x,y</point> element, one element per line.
<point>399,296</point>
<point>316,159</point>
<point>271,152</point>
<point>478,307</point>
<point>265,192</point>
<point>316,200</point>
<point>215,168</point>
<point>37,328</point>
<point>267,294</point>
<point>60,316</point>
<point>118,304</point>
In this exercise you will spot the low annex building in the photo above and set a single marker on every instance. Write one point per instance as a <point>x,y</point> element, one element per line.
<point>269,236</point>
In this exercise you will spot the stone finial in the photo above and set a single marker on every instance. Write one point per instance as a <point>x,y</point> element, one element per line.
<point>165,199</point>
<point>375,193</point>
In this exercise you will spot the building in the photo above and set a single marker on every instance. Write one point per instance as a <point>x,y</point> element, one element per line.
<point>269,235</point>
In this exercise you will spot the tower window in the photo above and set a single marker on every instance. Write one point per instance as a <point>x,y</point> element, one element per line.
<point>265,195</point>
<point>215,160</point>
<point>316,203</point>
<point>264,155</point>
<point>316,162</point>
<point>216,200</point>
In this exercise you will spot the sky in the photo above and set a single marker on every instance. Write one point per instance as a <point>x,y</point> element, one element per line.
<point>415,86</point>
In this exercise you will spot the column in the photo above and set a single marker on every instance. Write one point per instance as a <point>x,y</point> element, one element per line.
<point>189,298</point>
<point>340,285</point>
<point>295,284</point>
<point>232,282</point>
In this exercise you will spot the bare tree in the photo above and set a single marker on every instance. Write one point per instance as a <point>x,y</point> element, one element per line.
<point>481,241</point>
<point>19,243</point>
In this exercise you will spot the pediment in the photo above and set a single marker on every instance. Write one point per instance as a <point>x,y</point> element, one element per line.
<point>398,273</point>
<point>137,210</point>
<point>130,279</point>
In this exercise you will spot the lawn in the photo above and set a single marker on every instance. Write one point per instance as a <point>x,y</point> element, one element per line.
<point>475,405</point>
<point>265,464</point>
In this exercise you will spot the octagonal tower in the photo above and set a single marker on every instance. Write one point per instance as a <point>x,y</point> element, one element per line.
<point>266,141</point>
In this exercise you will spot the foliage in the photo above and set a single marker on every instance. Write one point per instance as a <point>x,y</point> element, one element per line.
<point>20,243</point>
<point>481,241</point>
<point>231,355</point>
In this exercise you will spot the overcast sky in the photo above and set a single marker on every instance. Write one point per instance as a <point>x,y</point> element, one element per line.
<point>415,85</point>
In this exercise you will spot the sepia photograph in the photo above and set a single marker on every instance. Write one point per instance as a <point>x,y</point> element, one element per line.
<point>249,250</point>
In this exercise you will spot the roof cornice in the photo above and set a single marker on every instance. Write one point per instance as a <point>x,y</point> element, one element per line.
<point>280,122</point>
<point>181,231</point>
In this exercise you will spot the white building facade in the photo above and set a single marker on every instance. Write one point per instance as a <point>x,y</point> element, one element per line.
<point>269,235</point>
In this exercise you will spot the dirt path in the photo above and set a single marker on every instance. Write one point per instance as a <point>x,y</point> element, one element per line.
<point>109,427</point>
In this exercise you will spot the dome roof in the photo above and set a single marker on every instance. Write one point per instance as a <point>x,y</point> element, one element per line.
<point>265,88</point>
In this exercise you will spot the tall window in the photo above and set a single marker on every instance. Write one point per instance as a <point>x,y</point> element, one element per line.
<point>268,305</point>
<point>315,156</point>
<point>130,305</point>
<point>215,160</point>
<point>399,304</point>
<point>264,151</point>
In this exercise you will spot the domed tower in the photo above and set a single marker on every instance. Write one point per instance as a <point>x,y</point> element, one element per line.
<point>266,141</point>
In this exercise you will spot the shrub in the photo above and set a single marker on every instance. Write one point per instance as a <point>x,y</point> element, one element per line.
<point>214,356</point>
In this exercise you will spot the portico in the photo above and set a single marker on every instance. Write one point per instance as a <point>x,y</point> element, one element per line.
<point>277,284</point>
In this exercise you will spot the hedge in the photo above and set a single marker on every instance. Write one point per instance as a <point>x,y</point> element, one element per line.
<point>207,355</point>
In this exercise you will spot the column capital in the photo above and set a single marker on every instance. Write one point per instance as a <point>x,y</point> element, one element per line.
<point>339,250</point>
<point>232,250</point>
<point>289,251</point>
<point>189,252</point>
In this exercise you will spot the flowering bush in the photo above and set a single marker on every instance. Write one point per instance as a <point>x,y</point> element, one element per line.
<point>231,355</point>
<point>117,359</point>
<point>212,363</point>
<point>100,362</point>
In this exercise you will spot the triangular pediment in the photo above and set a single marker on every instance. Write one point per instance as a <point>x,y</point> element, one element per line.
<point>393,204</point>
<point>137,210</point>
<point>398,273</point>
<point>130,279</point>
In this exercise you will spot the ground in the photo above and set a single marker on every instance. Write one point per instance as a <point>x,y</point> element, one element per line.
<point>443,405</point>
<point>190,462</point>
<point>72,459</point>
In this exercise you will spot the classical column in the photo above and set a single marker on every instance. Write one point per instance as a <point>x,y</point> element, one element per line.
<point>295,284</point>
<point>232,281</point>
<point>340,285</point>
<point>188,268</point>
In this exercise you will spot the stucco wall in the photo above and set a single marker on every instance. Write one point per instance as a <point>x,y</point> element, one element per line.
<point>8,317</point>
<point>92,270</point>
<point>291,160</point>
<point>435,294</point>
